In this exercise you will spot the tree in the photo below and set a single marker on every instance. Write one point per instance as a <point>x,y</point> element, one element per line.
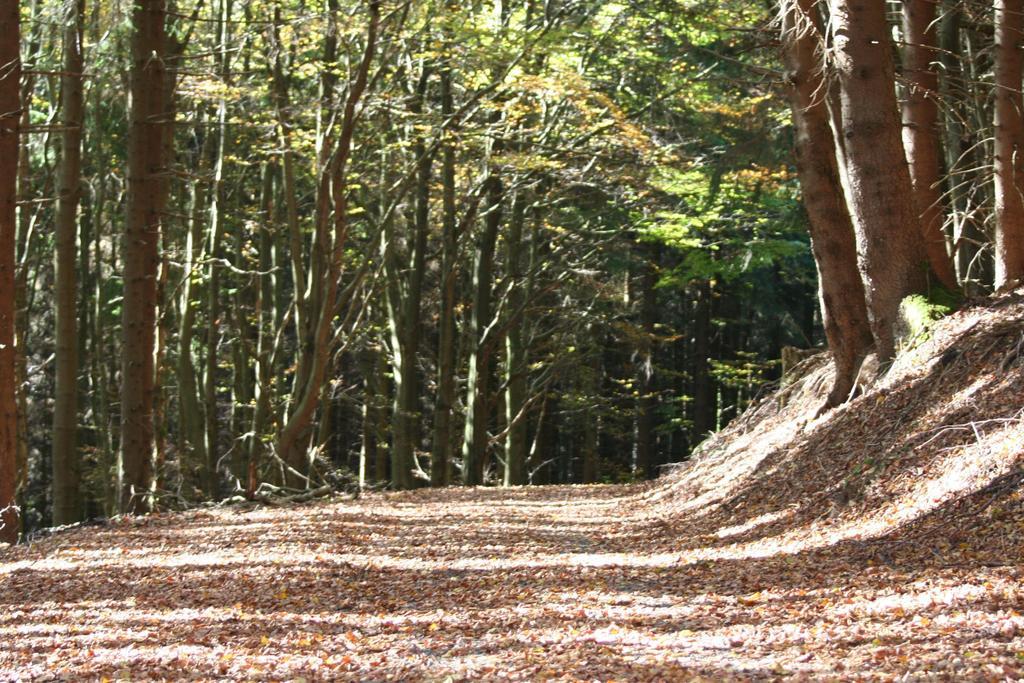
<point>145,207</point>
<point>840,290</point>
<point>10,124</point>
<point>66,465</point>
<point>333,184</point>
<point>1009,143</point>
<point>921,132</point>
<point>877,177</point>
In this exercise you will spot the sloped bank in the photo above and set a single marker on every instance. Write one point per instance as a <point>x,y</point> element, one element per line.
<point>928,462</point>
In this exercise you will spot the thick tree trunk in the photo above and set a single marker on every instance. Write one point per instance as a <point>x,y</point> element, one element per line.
<point>921,132</point>
<point>878,180</point>
<point>10,124</point>
<point>66,465</point>
<point>1009,143</point>
<point>145,207</point>
<point>840,289</point>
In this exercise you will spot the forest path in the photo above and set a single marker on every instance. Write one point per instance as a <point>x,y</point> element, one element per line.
<point>573,583</point>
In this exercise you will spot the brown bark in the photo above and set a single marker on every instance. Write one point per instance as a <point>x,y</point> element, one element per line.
<point>66,466</point>
<point>333,183</point>
<point>10,124</point>
<point>441,453</point>
<point>921,132</point>
<point>877,176</point>
<point>646,402</point>
<point>705,404</point>
<point>404,308</point>
<point>145,206</point>
<point>840,290</point>
<point>1009,138</point>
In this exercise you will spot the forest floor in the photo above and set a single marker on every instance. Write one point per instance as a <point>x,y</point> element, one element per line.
<point>882,541</point>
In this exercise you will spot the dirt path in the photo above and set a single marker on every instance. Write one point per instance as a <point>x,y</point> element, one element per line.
<point>545,583</point>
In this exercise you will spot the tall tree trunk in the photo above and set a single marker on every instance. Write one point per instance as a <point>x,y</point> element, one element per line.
<point>10,124</point>
<point>886,225</point>
<point>704,394</point>
<point>191,425</point>
<point>475,440</point>
<point>516,371</point>
<point>333,182</point>
<point>441,453</point>
<point>145,207</point>
<point>646,402</point>
<point>215,254</point>
<point>921,132</point>
<point>404,313</point>
<point>840,289</point>
<point>265,324</point>
<point>66,464</point>
<point>1009,143</point>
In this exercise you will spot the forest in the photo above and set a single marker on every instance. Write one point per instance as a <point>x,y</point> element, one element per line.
<point>415,244</point>
<point>403,257</point>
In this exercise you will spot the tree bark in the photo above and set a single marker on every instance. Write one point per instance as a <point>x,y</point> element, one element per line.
<point>404,307</point>
<point>191,425</point>
<point>1009,143</point>
<point>646,401</point>
<point>475,440</point>
<point>704,394</point>
<point>145,207</point>
<point>65,461</point>
<point>877,176</point>
<point>441,448</point>
<point>516,370</point>
<point>10,125</point>
<point>921,132</point>
<point>840,289</point>
<point>333,182</point>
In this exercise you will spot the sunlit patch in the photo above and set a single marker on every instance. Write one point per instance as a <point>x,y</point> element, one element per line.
<point>753,523</point>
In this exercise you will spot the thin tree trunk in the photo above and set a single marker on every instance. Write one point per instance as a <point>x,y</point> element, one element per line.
<point>921,132</point>
<point>65,461</point>
<point>334,182</point>
<point>704,394</point>
<point>10,124</point>
<point>516,370</point>
<point>1009,143</point>
<point>192,432</point>
<point>145,206</point>
<point>886,225</point>
<point>265,325</point>
<point>441,453</point>
<point>404,306</point>
<point>475,441</point>
<point>840,289</point>
<point>646,401</point>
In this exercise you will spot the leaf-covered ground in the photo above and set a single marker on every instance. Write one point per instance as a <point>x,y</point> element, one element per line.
<point>560,583</point>
<point>883,541</point>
